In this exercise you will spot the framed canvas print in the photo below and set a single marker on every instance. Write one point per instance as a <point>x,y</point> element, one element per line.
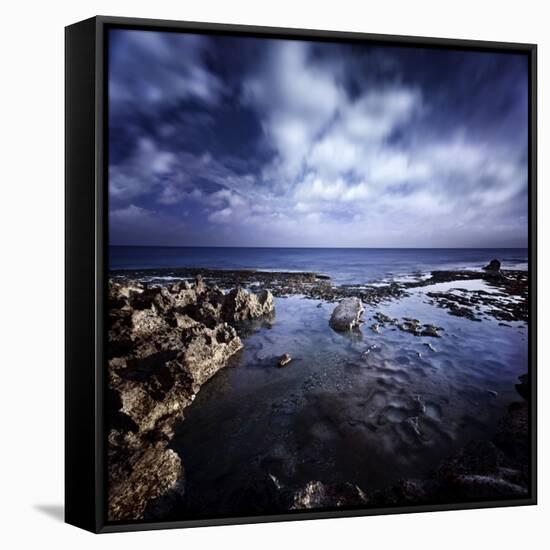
<point>300,274</point>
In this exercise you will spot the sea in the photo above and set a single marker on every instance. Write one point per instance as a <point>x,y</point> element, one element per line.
<point>343,265</point>
<point>369,407</point>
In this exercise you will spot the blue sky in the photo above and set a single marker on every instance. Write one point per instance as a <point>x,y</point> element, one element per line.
<point>234,141</point>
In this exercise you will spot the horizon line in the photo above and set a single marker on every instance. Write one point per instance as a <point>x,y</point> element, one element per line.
<point>325,247</point>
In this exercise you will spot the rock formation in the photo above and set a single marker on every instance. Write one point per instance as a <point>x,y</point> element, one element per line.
<point>164,343</point>
<point>346,314</point>
<point>494,265</point>
<point>239,305</point>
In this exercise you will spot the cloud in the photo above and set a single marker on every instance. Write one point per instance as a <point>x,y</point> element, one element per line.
<point>293,143</point>
<point>324,136</point>
<point>144,170</point>
<point>295,99</point>
<point>150,69</point>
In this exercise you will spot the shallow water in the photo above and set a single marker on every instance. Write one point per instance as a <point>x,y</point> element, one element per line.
<point>365,408</point>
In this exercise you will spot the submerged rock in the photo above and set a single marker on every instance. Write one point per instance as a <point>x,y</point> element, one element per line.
<point>164,344</point>
<point>346,315</point>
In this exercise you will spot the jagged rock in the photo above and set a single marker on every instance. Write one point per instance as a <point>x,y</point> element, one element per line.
<point>346,315</point>
<point>154,471</point>
<point>164,343</point>
<point>208,351</point>
<point>240,305</point>
<point>319,495</point>
<point>284,360</point>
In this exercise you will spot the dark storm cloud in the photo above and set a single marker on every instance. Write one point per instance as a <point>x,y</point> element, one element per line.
<point>242,141</point>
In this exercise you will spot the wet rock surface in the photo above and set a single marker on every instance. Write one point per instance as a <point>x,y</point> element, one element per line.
<point>164,344</point>
<point>347,314</point>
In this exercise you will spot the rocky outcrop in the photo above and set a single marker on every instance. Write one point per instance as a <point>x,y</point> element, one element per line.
<point>239,305</point>
<point>347,314</point>
<point>494,266</point>
<point>164,343</point>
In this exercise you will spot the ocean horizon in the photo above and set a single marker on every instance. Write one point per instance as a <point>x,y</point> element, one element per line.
<point>343,265</point>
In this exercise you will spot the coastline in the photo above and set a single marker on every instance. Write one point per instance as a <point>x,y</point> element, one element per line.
<point>319,286</point>
<point>157,308</point>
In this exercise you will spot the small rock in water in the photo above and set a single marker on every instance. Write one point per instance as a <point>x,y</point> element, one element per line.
<point>429,346</point>
<point>275,481</point>
<point>411,328</point>
<point>375,327</point>
<point>370,348</point>
<point>284,360</point>
<point>411,320</point>
<point>382,318</point>
<point>431,330</point>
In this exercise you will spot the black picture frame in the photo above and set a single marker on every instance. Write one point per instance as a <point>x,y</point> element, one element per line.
<point>86,262</point>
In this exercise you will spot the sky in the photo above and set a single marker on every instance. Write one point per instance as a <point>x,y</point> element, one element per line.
<point>242,141</point>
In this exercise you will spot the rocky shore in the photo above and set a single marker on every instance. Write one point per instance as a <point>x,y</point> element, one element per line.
<point>280,283</point>
<point>508,300</point>
<point>164,343</point>
<point>166,339</point>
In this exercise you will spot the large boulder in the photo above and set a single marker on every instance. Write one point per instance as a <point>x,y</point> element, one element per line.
<point>347,314</point>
